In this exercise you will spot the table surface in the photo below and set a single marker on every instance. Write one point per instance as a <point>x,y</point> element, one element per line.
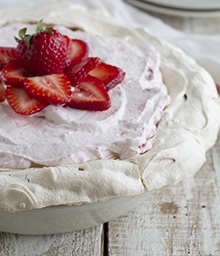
<point>175,221</point>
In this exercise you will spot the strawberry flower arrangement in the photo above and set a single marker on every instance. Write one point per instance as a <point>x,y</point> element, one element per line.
<point>51,68</point>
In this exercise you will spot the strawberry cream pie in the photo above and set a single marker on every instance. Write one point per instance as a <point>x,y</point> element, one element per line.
<point>91,110</point>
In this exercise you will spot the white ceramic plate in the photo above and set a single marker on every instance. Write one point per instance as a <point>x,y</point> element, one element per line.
<point>63,219</point>
<point>187,8</point>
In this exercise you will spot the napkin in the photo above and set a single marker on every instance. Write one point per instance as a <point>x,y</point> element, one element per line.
<point>203,48</point>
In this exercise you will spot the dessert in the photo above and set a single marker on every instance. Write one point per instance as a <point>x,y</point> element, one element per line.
<point>80,156</point>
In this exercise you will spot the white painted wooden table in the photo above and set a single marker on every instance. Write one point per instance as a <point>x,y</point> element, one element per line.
<point>174,221</point>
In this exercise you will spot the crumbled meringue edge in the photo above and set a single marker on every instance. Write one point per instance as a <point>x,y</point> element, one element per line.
<point>179,147</point>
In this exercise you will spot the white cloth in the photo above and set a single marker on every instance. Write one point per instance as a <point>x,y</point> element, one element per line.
<point>203,48</point>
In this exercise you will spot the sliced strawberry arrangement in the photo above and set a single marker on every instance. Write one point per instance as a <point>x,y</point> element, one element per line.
<point>90,94</point>
<point>108,74</point>
<point>13,74</point>
<point>55,88</point>
<point>6,54</point>
<point>22,103</point>
<point>50,68</point>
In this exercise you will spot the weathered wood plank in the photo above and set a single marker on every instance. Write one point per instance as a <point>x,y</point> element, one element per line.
<point>82,243</point>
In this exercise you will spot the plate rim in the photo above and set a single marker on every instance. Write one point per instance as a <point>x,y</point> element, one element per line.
<point>191,5</point>
<point>180,12</point>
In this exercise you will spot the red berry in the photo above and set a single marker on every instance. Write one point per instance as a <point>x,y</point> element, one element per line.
<point>6,54</point>
<point>108,74</point>
<point>77,73</point>
<point>44,52</point>
<point>13,74</point>
<point>90,94</point>
<point>22,103</point>
<point>76,52</point>
<point>55,88</point>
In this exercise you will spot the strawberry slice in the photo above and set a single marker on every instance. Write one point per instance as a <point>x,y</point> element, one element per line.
<point>55,88</point>
<point>77,73</point>
<point>2,91</point>
<point>90,94</point>
<point>21,102</point>
<point>77,51</point>
<point>108,74</point>
<point>13,74</point>
<point>6,54</point>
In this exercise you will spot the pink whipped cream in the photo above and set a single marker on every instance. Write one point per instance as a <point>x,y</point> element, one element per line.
<point>61,135</point>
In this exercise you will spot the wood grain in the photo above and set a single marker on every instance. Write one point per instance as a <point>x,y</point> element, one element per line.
<point>81,243</point>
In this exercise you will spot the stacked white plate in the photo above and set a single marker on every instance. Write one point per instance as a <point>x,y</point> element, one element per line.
<point>185,8</point>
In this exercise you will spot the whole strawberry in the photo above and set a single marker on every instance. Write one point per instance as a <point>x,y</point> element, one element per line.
<point>42,53</point>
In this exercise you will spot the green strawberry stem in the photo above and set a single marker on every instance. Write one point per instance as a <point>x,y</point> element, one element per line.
<point>27,38</point>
